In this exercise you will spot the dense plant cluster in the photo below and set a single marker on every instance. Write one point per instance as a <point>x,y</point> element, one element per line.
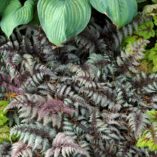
<point>83,99</point>
<point>93,96</point>
<point>61,19</point>
<point>147,138</point>
<point>148,31</point>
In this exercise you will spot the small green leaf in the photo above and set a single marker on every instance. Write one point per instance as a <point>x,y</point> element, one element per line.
<point>15,14</point>
<point>155,19</point>
<point>63,19</point>
<point>150,9</point>
<point>152,115</point>
<point>3,119</point>
<point>146,30</point>
<point>121,12</point>
<point>3,103</point>
<point>4,134</point>
<point>154,1</point>
<point>140,1</point>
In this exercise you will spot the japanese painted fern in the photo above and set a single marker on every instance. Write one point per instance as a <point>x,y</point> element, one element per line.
<point>78,100</point>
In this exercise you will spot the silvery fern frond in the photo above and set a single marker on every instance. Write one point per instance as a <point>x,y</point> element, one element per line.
<point>64,145</point>
<point>138,122</point>
<point>21,149</point>
<point>35,135</point>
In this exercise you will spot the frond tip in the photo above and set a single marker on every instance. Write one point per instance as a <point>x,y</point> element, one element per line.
<point>65,145</point>
<point>21,148</point>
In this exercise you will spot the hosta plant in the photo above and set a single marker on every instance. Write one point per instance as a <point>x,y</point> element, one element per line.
<point>63,19</point>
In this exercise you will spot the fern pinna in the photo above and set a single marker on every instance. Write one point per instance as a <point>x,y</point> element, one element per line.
<point>77,100</point>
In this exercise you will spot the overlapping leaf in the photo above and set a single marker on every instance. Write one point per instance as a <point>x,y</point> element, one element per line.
<point>15,14</point>
<point>120,12</point>
<point>3,118</point>
<point>62,20</point>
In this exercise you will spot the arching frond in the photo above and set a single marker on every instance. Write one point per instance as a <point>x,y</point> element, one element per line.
<point>64,145</point>
<point>21,149</point>
<point>35,135</point>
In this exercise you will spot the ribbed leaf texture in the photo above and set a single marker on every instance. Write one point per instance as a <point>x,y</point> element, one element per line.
<point>64,19</point>
<point>121,12</point>
<point>21,149</point>
<point>15,14</point>
<point>77,100</point>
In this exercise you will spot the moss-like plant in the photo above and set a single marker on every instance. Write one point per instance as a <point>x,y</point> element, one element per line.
<point>3,118</point>
<point>149,137</point>
<point>4,129</point>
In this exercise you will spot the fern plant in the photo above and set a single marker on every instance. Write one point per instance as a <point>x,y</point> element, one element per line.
<point>76,100</point>
<point>146,30</point>
<point>148,137</point>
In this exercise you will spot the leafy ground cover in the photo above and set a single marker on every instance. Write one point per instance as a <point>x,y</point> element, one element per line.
<point>93,96</point>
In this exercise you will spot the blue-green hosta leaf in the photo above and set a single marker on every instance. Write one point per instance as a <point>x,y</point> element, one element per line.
<point>15,14</point>
<point>120,12</point>
<point>140,1</point>
<point>3,4</point>
<point>146,30</point>
<point>63,19</point>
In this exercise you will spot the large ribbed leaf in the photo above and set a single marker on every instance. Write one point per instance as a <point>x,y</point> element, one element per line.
<point>15,14</point>
<point>63,19</point>
<point>120,12</point>
<point>3,4</point>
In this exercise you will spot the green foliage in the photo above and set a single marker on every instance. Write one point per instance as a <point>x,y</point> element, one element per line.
<point>4,129</point>
<point>151,57</point>
<point>146,30</point>
<point>93,105</point>
<point>62,20</point>
<point>149,137</point>
<point>4,134</point>
<point>120,12</point>
<point>15,14</point>
<point>3,118</point>
<point>155,19</point>
<point>154,1</point>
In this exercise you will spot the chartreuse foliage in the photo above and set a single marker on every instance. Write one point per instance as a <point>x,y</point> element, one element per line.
<point>3,118</point>
<point>147,30</point>
<point>4,129</point>
<point>149,137</point>
<point>63,19</point>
